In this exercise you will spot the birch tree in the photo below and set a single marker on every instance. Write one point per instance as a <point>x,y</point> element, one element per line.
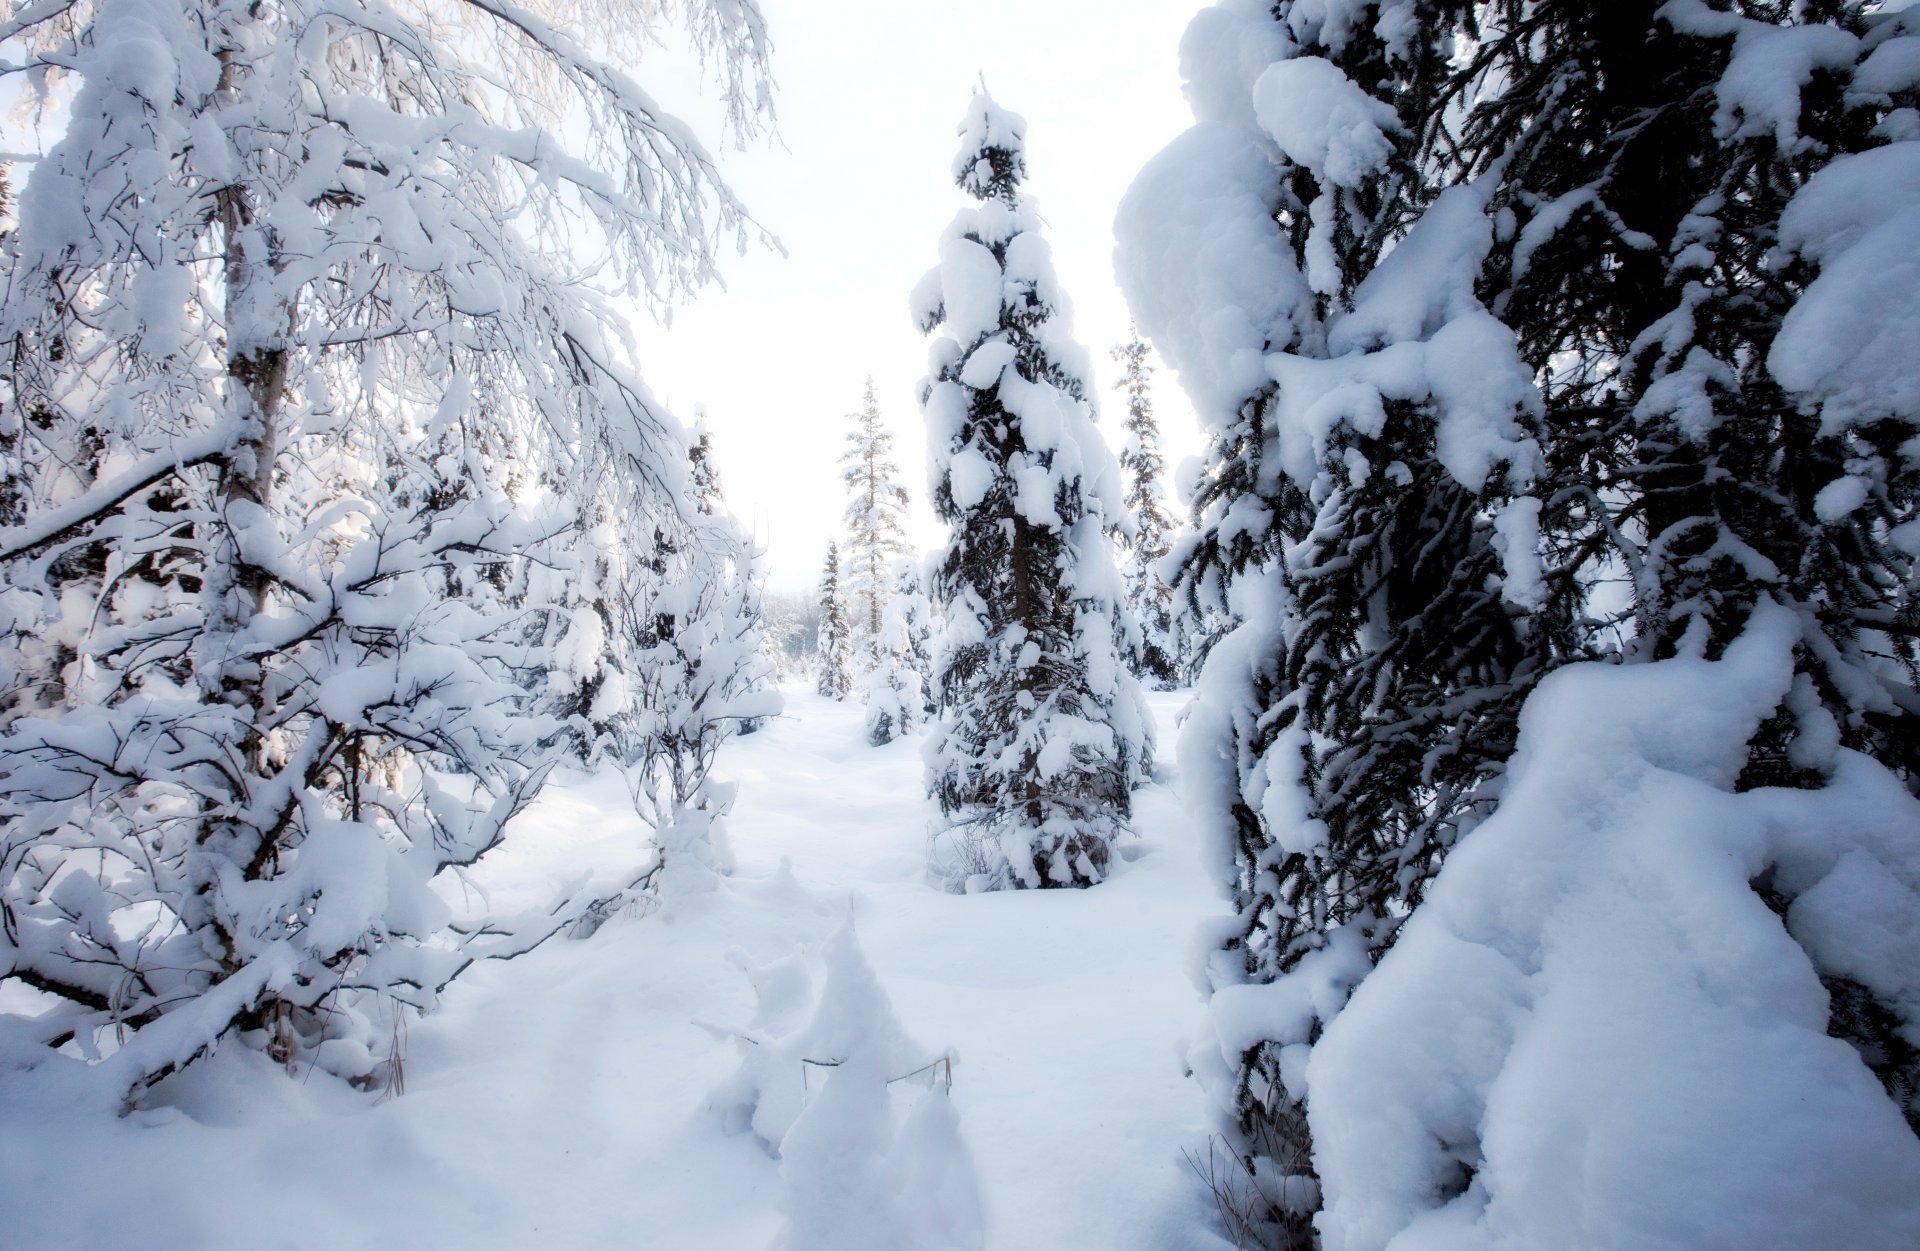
<point>331,480</point>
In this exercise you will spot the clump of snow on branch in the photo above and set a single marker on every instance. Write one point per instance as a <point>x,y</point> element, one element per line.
<point>1594,1000</point>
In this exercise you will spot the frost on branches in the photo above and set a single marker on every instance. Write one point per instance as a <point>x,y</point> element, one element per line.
<point>876,526</point>
<point>1554,354</point>
<point>1043,731</point>
<point>327,486</point>
<point>704,676</point>
<point>1160,657</point>
<point>897,697</point>
<point>833,656</point>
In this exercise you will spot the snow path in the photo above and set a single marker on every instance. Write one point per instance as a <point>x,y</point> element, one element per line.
<point>559,1100</point>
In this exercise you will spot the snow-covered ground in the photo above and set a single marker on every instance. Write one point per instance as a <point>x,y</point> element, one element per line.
<point>561,1100</point>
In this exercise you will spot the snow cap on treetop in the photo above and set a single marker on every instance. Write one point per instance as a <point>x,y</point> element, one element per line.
<point>992,157</point>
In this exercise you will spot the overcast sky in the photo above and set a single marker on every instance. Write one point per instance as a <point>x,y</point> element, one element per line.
<point>870,93</point>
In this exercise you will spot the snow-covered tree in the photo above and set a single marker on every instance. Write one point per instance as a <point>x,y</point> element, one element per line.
<point>918,630</point>
<point>1509,360</point>
<point>897,699</point>
<point>742,565</point>
<point>703,676</point>
<point>1350,515</point>
<point>707,492</point>
<point>1043,731</point>
<point>833,657</point>
<point>876,526</point>
<point>1149,599</point>
<point>318,439</point>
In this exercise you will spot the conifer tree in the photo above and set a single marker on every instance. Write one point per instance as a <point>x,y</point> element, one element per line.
<point>707,491</point>
<point>1350,519</point>
<point>1416,511</point>
<point>1150,601</point>
<point>897,698</point>
<point>876,526</point>
<point>918,628</point>
<point>1042,734</point>
<point>833,659</point>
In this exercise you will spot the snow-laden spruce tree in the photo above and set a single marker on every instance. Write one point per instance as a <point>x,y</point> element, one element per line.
<point>318,438</point>
<point>1371,430</point>
<point>1043,732</point>
<point>833,657</point>
<point>1160,656</point>
<point>1698,471</point>
<point>876,527</point>
<point>919,628</point>
<point>897,699</point>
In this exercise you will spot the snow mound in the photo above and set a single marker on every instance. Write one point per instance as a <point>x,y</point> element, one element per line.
<point>857,1175</point>
<point>1597,1033</point>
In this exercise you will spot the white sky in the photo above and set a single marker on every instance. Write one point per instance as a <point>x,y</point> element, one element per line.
<point>870,93</point>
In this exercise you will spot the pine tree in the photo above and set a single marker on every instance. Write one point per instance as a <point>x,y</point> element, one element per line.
<point>1416,511</point>
<point>1043,732</point>
<point>1149,599</point>
<point>1352,520</point>
<point>897,698</point>
<point>1744,479</point>
<point>706,487</point>
<point>321,441</point>
<point>834,658</point>
<point>876,525</point>
<point>917,630</point>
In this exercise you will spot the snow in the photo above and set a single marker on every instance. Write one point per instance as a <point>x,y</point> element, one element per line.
<point>1225,48</point>
<point>1851,339</point>
<point>1516,530</point>
<point>1759,93</point>
<point>1206,274</point>
<point>1321,120</point>
<point>574,1096</point>
<point>1892,67</point>
<point>969,476</point>
<point>971,289</point>
<point>1593,1001</point>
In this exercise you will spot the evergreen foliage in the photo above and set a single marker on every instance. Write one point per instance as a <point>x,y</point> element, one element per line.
<point>833,658</point>
<point>897,696</point>
<point>876,525</point>
<point>1529,395</point>
<point>1042,734</point>
<point>1149,599</point>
